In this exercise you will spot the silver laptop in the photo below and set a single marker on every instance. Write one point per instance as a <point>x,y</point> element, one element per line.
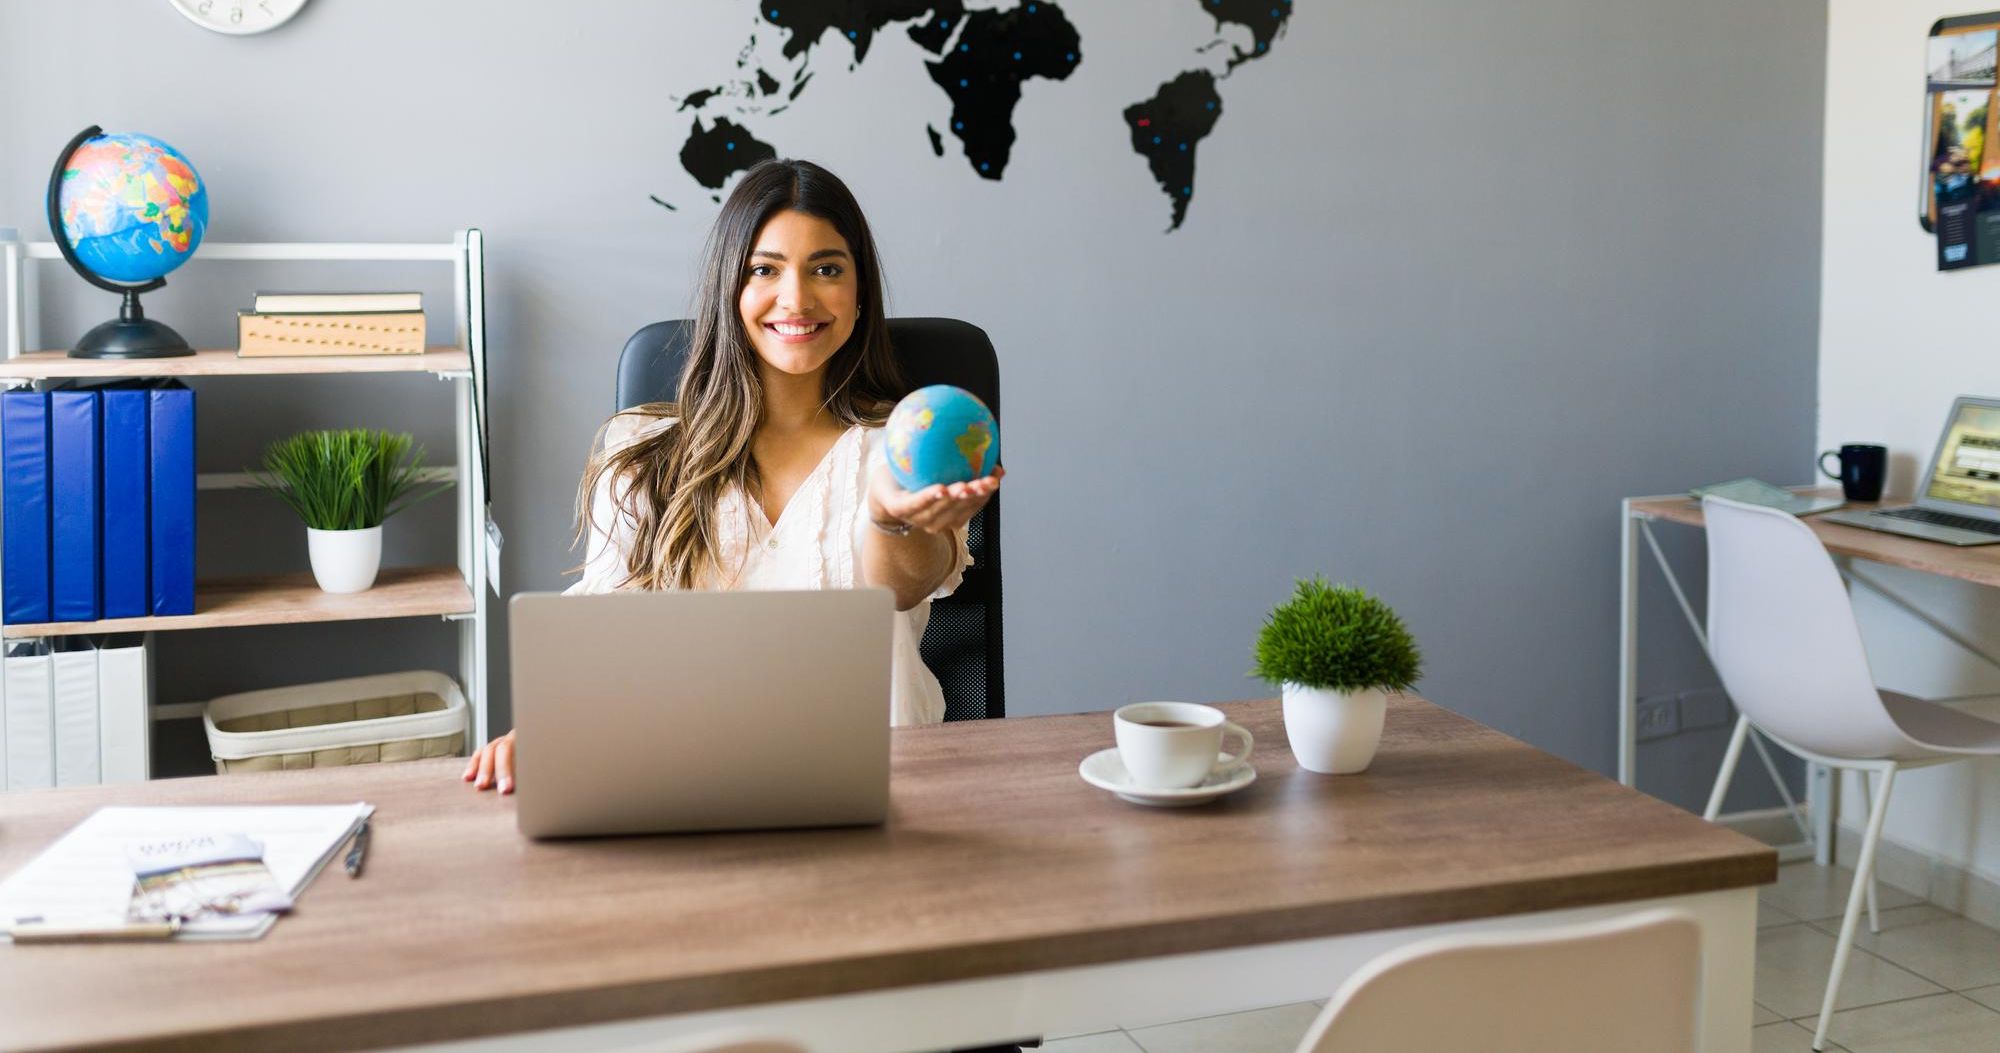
<point>1960,500</point>
<point>661,712</point>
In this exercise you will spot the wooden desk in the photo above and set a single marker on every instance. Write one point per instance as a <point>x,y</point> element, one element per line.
<point>1979,565</point>
<point>1005,897</point>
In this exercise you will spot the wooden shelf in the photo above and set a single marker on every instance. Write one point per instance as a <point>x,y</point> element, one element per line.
<point>52,365</point>
<point>288,599</point>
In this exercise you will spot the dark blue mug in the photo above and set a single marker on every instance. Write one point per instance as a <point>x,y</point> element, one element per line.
<point>1862,468</point>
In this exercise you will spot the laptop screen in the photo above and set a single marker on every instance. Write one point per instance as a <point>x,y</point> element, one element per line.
<point>1968,463</point>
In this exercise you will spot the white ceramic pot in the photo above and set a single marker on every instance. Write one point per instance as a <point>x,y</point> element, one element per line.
<point>345,560</point>
<point>1334,732</point>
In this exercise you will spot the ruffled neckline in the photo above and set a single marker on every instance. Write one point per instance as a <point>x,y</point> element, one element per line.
<point>809,518</point>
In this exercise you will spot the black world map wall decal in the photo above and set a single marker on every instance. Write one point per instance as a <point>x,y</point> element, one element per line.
<point>980,59</point>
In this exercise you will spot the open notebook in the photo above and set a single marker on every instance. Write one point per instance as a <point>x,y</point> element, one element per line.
<point>1759,492</point>
<point>86,877</point>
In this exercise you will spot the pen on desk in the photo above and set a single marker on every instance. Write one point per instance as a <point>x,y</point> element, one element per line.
<point>359,851</point>
<point>37,930</point>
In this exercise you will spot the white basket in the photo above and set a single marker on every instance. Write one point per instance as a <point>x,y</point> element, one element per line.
<point>361,720</point>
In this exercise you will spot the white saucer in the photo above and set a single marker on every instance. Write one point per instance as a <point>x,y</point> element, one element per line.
<point>1106,771</point>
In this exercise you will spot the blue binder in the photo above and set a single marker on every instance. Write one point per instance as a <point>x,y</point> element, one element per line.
<point>74,506</point>
<point>170,441</point>
<point>24,504</point>
<point>126,527</point>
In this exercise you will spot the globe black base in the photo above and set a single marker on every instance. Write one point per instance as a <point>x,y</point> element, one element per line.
<point>131,338</point>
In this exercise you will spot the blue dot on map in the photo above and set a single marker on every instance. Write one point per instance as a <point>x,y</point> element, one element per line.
<point>982,166</point>
<point>851,34</point>
<point>1156,140</point>
<point>729,146</point>
<point>1017,56</point>
<point>944,23</point>
<point>1186,190</point>
<point>963,83</point>
<point>1183,148</point>
<point>1211,106</point>
<point>958,126</point>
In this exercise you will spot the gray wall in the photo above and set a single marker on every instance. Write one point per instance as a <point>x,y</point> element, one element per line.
<point>1457,275</point>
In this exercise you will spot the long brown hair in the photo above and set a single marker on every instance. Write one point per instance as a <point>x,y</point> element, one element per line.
<point>671,481</point>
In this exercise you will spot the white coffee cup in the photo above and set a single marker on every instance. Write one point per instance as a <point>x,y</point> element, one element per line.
<point>1174,745</point>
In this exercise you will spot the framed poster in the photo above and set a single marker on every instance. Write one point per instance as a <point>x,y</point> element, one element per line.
<point>1960,190</point>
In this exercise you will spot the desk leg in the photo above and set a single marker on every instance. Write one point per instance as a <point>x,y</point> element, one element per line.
<point>1728,970</point>
<point>1628,643</point>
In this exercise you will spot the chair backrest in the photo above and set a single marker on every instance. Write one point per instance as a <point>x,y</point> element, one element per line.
<point>962,644</point>
<point>1782,634</point>
<point>1630,983</point>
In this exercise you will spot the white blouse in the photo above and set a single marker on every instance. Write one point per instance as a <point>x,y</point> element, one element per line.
<point>815,544</point>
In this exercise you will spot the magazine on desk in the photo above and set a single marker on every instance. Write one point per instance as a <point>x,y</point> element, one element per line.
<point>1759,492</point>
<point>119,866</point>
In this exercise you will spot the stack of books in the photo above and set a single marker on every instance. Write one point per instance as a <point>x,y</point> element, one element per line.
<point>98,493</point>
<point>283,325</point>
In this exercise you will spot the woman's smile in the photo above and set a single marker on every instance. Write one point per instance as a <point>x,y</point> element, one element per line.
<point>796,330</point>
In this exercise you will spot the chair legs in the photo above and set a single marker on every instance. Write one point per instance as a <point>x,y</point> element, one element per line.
<point>1864,878</point>
<point>1728,772</point>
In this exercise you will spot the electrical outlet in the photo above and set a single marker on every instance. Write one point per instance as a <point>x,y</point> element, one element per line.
<point>1706,707</point>
<point>1658,717</point>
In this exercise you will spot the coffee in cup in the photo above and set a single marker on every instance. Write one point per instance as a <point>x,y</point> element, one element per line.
<point>1174,745</point>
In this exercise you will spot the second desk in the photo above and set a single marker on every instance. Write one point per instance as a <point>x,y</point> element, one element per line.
<point>1979,565</point>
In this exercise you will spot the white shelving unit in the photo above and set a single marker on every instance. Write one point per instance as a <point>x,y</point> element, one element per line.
<point>455,593</point>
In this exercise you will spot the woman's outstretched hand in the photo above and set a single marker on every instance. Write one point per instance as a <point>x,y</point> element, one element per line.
<point>937,509</point>
<point>493,764</point>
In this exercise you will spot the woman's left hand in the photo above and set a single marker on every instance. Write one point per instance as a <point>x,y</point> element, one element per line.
<point>938,509</point>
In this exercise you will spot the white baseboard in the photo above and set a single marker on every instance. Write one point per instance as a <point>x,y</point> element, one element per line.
<point>1955,888</point>
<point>1773,826</point>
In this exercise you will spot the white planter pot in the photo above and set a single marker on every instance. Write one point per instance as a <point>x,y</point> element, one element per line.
<point>1334,732</point>
<point>345,560</point>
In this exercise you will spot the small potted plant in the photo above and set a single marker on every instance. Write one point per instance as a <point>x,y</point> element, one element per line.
<point>1337,651</point>
<point>344,484</point>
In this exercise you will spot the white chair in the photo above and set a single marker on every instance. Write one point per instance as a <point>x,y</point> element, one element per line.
<point>1782,635</point>
<point>1629,983</point>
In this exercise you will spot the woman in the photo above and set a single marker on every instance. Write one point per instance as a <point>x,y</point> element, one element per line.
<point>768,471</point>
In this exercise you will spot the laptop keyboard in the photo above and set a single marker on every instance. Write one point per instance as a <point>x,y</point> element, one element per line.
<point>1944,519</point>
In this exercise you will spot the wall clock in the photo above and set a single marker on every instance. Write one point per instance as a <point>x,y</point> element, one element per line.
<point>239,17</point>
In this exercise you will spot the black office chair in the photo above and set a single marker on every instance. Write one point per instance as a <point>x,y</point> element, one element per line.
<point>962,644</point>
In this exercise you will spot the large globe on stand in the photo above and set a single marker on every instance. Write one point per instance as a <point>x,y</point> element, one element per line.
<point>126,209</point>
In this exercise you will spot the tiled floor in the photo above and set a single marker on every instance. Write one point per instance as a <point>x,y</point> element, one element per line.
<point>1928,983</point>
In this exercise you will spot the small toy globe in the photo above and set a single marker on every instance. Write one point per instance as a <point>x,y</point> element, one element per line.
<point>126,208</point>
<point>941,434</point>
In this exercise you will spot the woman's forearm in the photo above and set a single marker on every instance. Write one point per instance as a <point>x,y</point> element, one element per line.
<point>911,566</point>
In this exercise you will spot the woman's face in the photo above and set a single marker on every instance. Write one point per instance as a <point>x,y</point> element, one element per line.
<point>800,296</point>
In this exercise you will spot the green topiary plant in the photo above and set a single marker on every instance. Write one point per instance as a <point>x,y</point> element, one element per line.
<point>1336,638</point>
<point>349,479</point>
